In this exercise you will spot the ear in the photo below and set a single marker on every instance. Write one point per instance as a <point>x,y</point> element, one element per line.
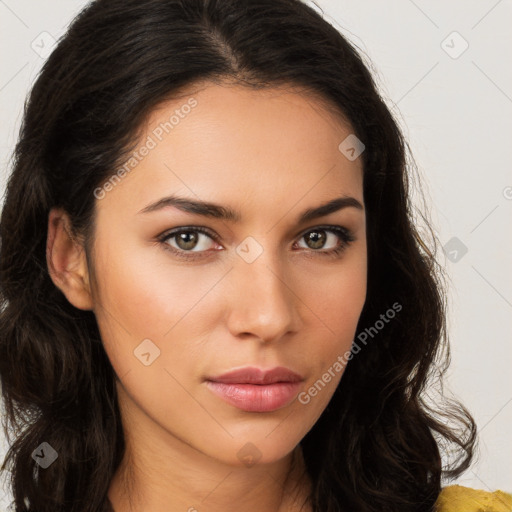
<point>65,257</point>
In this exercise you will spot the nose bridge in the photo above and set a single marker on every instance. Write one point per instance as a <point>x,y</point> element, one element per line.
<point>262,303</point>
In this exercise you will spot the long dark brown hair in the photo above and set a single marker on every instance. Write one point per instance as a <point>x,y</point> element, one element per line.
<point>378,445</point>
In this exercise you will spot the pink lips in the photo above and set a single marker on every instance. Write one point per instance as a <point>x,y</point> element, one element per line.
<point>255,390</point>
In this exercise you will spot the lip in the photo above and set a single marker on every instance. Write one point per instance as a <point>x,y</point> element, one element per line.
<point>255,390</point>
<point>253,375</point>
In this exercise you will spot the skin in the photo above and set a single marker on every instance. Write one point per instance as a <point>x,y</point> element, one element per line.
<point>270,154</point>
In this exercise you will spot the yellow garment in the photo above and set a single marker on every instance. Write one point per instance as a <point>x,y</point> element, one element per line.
<point>456,498</point>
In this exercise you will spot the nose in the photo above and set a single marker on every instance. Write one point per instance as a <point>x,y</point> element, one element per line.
<point>262,302</point>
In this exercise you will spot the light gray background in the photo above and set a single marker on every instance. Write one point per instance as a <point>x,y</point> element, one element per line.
<point>455,108</point>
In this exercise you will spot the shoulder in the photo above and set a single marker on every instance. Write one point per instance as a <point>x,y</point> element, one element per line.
<point>456,498</point>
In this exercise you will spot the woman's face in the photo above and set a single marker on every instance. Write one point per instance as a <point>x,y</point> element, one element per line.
<point>260,289</point>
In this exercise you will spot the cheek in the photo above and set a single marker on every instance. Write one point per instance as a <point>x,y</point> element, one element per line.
<point>147,292</point>
<point>143,298</point>
<point>341,301</point>
<point>337,304</point>
<point>342,294</point>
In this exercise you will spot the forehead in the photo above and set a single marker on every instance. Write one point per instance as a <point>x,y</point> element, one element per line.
<point>231,142</point>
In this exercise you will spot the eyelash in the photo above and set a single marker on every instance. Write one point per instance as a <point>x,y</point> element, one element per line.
<point>344,234</point>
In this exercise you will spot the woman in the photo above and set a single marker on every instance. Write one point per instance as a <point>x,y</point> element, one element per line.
<point>214,296</point>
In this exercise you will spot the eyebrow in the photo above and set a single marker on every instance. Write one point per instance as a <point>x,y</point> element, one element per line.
<point>217,211</point>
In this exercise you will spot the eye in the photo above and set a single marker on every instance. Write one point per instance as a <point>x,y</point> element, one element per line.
<point>318,237</point>
<point>195,241</point>
<point>187,239</point>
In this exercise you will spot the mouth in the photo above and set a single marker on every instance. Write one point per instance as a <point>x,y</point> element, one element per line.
<point>253,390</point>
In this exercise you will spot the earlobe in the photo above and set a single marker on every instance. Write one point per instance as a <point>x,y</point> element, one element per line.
<point>66,261</point>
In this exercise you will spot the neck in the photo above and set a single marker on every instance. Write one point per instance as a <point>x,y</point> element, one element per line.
<point>280,487</point>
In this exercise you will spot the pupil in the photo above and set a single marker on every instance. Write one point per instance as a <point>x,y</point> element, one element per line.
<point>182,241</point>
<point>320,239</point>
